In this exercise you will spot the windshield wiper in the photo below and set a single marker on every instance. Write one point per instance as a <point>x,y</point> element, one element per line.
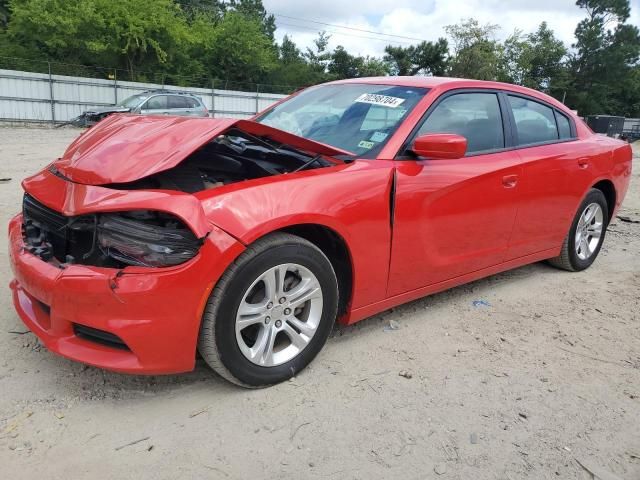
<point>306,164</point>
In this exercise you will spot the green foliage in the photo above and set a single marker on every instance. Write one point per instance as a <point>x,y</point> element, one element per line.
<point>4,14</point>
<point>603,68</point>
<point>426,58</point>
<point>534,60</point>
<point>128,34</point>
<point>238,47</point>
<point>345,65</point>
<point>231,42</point>
<point>476,53</point>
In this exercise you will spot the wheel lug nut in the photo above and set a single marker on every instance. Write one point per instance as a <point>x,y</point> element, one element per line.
<point>270,305</point>
<point>278,323</point>
<point>282,300</point>
<point>267,320</point>
<point>287,311</point>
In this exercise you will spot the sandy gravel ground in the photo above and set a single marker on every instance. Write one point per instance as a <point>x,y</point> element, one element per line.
<point>545,378</point>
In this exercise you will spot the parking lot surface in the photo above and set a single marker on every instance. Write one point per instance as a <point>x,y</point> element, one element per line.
<point>533,373</point>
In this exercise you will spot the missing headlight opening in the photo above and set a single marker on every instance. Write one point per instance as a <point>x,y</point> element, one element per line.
<point>233,157</point>
<point>136,238</point>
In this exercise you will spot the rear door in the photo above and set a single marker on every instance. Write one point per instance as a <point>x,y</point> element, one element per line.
<point>453,217</point>
<point>556,170</point>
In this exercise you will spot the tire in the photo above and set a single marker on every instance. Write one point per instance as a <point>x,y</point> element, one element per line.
<point>248,284</point>
<point>575,258</point>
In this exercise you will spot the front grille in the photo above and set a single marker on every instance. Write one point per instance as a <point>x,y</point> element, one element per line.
<point>45,232</point>
<point>99,336</point>
<point>50,234</point>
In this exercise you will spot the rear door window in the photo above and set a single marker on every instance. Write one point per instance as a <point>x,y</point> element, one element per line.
<point>535,122</point>
<point>475,116</point>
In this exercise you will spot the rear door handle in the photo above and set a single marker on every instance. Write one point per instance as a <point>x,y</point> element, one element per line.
<point>509,181</point>
<point>583,163</point>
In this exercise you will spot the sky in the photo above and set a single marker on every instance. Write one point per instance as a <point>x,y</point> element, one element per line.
<point>418,19</point>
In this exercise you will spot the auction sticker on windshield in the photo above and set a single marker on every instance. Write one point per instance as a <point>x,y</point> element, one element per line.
<point>382,100</point>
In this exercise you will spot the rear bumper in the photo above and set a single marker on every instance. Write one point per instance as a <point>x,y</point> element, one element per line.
<point>155,312</point>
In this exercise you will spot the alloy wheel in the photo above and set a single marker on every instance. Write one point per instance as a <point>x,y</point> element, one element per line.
<point>279,315</point>
<point>589,231</point>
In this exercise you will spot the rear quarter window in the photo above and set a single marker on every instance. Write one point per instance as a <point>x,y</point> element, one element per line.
<point>564,127</point>
<point>178,102</point>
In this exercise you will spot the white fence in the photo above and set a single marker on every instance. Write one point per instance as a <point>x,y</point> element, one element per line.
<point>39,97</point>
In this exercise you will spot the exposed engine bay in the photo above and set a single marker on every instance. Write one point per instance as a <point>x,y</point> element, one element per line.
<point>233,157</point>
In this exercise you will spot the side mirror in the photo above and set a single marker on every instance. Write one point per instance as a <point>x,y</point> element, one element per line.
<point>440,146</point>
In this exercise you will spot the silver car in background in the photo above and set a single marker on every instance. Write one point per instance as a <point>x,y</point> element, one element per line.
<point>151,102</point>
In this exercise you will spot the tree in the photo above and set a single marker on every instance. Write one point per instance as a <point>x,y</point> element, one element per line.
<point>238,50</point>
<point>374,67</point>
<point>4,14</point>
<point>318,57</point>
<point>534,60</point>
<point>255,9</point>
<point>129,34</point>
<point>426,58</point>
<point>476,54</point>
<point>194,8</point>
<point>292,70</point>
<point>289,52</point>
<point>345,65</point>
<point>603,67</point>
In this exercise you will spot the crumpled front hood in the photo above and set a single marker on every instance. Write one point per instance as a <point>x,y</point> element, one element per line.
<point>125,148</point>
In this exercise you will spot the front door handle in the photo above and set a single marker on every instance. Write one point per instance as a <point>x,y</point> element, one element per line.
<point>509,181</point>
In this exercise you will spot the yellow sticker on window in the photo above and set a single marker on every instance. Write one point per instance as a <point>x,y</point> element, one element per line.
<point>365,144</point>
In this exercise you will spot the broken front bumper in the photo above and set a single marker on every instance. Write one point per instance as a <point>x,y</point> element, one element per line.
<point>154,312</point>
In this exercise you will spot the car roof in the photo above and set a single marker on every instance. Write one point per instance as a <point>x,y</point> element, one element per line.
<point>447,83</point>
<point>164,92</point>
<point>413,81</point>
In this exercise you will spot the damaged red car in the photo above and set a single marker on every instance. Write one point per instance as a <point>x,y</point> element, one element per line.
<point>152,238</point>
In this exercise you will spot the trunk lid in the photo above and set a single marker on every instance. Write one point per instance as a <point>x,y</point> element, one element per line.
<point>125,148</point>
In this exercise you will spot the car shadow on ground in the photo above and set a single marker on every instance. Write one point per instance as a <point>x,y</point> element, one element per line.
<point>453,295</point>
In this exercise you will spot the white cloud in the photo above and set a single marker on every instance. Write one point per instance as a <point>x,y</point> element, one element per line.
<point>423,19</point>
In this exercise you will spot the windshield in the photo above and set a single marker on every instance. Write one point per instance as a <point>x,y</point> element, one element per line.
<point>359,118</point>
<point>132,101</point>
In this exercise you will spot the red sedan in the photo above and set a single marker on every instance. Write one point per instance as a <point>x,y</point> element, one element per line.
<point>246,239</point>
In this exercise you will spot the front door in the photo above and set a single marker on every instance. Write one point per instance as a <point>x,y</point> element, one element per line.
<point>454,217</point>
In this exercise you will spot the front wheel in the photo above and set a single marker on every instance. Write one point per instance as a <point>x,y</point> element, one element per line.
<point>584,240</point>
<point>270,313</point>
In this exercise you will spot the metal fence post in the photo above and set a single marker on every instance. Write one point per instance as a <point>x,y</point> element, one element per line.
<point>257,97</point>
<point>53,105</point>
<point>115,87</point>
<point>213,98</point>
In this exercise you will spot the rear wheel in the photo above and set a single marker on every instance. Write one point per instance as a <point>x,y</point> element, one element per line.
<point>584,240</point>
<point>270,313</point>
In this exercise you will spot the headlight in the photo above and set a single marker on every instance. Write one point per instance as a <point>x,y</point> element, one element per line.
<point>141,243</point>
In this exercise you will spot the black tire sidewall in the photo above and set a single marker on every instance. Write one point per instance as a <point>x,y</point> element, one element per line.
<point>230,355</point>
<point>594,196</point>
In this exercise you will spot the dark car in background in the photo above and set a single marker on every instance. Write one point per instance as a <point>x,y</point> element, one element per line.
<point>150,102</point>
